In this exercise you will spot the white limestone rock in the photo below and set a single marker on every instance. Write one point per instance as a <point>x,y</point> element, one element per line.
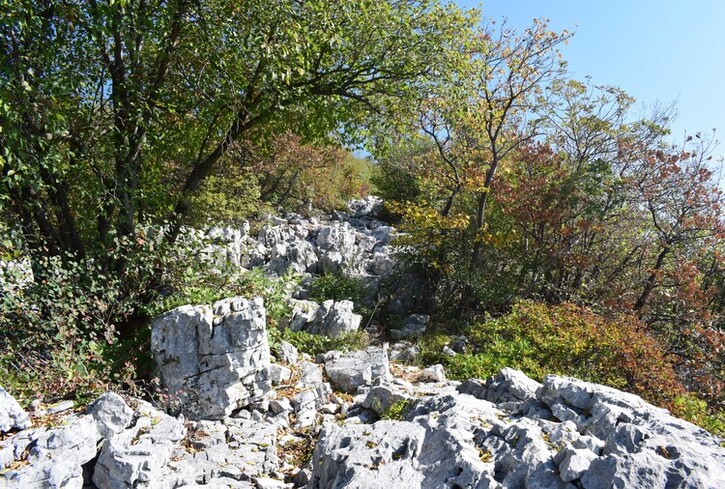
<point>111,413</point>
<point>350,370</point>
<point>56,456</point>
<point>12,416</point>
<point>138,457</point>
<point>434,373</point>
<point>214,360</point>
<point>334,319</point>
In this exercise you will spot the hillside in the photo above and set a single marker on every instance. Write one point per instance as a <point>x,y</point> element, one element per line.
<point>236,405</point>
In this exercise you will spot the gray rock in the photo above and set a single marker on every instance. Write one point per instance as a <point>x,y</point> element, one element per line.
<point>348,371</point>
<point>434,446</point>
<point>12,416</point>
<point>214,360</point>
<point>111,413</point>
<point>228,453</point>
<point>138,456</point>
<point>575,463</point>
<point>312,398</point>
<point>269,483</point>
<point>335,319</point>
<point>415,325</point>
<point>508,386</point>
<point>310,375</point>
<point>434,373</point>
<point>460,439</point>
<point>447,351</point>
<point>644,446</point>
<point>381,263</point>
<point>337,236</point>
<point>60,407</point>
<point>288,353</point>
<point>369,206</point>
<point>56,455</point>
<point>383,397</point>
<point>282,405</point>
<point>403,352</point>
<point>371,456</point>
<point>303,314</point>
<point>278,374</point>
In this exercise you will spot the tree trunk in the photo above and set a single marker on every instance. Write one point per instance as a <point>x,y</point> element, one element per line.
<point>651,282</point>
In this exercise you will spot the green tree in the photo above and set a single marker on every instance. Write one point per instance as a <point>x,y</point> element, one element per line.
<point>115,112</point>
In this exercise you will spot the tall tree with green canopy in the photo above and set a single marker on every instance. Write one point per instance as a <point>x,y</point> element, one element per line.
<point>480,114</point>
<point>112,112</point>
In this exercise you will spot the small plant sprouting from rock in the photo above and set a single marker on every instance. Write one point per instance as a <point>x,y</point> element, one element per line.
<point>398,410</point>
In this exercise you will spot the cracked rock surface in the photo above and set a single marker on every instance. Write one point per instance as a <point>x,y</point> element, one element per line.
<point>391,430</point>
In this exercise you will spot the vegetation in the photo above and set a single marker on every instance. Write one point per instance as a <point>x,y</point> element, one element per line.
<point>556,229</point>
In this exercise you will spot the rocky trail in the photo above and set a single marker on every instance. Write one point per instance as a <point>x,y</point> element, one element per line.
<point>239,412</point>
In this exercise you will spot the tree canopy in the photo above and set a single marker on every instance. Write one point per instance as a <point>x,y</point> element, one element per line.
<point>114,112</point>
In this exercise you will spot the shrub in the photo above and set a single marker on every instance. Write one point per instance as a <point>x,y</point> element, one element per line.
<point>337,287</point>
<point>571,340</point>
<point>59,333</point>
<point>695,410</point>
<point>316,344</point>
<point>340,287</point>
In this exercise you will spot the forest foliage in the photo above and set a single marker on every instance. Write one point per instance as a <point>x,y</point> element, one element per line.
<point>554,225</point>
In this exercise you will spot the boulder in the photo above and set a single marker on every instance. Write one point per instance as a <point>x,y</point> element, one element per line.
<point>288,353</point>
<point>12,416</point>
<point>369,206</point>
<point>56,456</point>
<point>348,371</point>
<point>643,446</point>
<point>111,413</point>
<point>403,352</point>
<point>303,314</point>
<point>138,456</point>
<point>228,453</point>
<point>502,433</point>
<point>214,360</point>
<point>509,385</point>
<point>434,373</point>
<point>334,318</point>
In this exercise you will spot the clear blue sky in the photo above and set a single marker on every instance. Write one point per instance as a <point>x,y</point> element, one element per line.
<point>658,51</point>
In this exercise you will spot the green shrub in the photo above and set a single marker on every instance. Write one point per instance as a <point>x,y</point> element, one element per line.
<point>695,410</point>
<point>197,285</point>
<point>337,287</point>
<point>59,334</point>
<point>570,340</point>
<point>398,410</point>
<point>316,344</point>
<point>340,287</point>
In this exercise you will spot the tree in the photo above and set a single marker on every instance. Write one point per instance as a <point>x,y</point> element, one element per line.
<point>115,112</point>
<point>477,117</point>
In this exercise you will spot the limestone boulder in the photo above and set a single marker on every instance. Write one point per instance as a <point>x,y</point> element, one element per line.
<point>349,370</point>
<point>214,360</point>
<point>12,416</point>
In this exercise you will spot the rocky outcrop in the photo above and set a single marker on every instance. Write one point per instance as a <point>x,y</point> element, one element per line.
<point>50,458</point>
<point>351,370</point>
<point>258,422</point>
<point>354,244</point>
<point>139,456</point>
<point>513,432</point>
<point>214,360</point>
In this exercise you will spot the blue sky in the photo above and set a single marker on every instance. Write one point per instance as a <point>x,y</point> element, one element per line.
<point>658,51</point>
